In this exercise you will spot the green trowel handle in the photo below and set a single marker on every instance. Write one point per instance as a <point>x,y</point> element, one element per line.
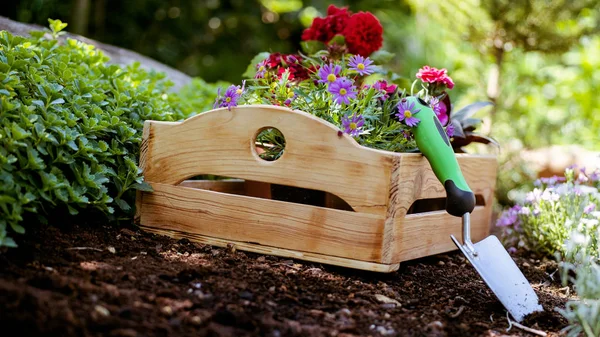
<point>435,146</point>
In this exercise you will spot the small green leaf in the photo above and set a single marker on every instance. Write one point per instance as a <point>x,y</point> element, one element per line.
<point>123,204</point>
<point>57,101</point>
<point>143,186</point>
<point>311,47</point>
<point>17,228</point>
<point>8,242</point>
<point>338,39</point>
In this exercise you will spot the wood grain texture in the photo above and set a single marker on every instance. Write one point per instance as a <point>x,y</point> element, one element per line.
<point>256,248</point>
<point>220,142</point>
<point>424,234</point>
<point>274,223</point>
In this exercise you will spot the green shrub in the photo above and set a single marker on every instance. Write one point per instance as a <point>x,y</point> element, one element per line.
<point>70,129</point>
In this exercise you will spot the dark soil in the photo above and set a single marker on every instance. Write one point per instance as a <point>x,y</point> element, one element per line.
<point>107,281</point>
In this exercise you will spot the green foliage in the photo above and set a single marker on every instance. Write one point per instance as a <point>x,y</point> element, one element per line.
<point>70,129</point>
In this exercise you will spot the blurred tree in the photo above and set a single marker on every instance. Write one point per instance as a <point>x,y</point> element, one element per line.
<point>495,27</point>
<point>211,39</point>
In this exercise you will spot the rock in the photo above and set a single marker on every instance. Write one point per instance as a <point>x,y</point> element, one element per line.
<point>102,310</point>
<point>167,310</point>
<point>386,300</point>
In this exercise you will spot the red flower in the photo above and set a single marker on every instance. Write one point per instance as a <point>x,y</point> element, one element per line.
<point>280,62</point>
<point>433,75</point>
<point>324,29</point>
<point>364,34</point>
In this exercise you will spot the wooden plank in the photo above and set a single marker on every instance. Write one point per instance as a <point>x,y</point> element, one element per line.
<point>305,228</point>
<point>424,234</point>
<point>260,249</point>
<point>220,142</point>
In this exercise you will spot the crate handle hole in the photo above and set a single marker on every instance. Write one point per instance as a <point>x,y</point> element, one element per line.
<point>268,143</point>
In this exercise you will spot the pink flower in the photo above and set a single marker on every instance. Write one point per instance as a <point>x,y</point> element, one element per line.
<point>440,110</point>
<point>433,75</point>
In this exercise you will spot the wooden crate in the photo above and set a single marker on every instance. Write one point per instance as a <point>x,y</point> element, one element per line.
<point>378,208</point>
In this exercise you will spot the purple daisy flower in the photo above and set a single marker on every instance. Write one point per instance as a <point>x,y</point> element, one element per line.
<point>342,90</point>
<point>230,99</point>
<point>361,65</point>
<point>353,125</point>
<point>329,73</point>
<point>406,111</point>
<point>261,68</point>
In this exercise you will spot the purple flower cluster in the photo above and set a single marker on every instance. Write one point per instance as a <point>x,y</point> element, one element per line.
<point>510,217</point>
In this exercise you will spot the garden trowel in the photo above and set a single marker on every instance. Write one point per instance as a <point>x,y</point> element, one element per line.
<point>488,256</point>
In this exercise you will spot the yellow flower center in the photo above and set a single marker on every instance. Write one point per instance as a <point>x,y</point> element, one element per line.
<point>239,91</point>
<point>343,92</point>
<point>228,99</point>
<point>352,126</point>
<point>360,66</point>
<point>331,78</point>
<point>407,114</point>
<point>261,68</point>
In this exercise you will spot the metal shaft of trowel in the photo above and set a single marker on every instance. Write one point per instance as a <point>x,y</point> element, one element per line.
<point>466,227</point>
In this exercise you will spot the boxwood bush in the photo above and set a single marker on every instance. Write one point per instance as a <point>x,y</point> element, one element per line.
<point>70,129</point>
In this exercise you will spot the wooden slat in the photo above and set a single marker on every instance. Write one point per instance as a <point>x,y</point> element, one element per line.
<point>305,228</point>
<point>256,248</point>
<point>220,142</point>
<point>425,234</point>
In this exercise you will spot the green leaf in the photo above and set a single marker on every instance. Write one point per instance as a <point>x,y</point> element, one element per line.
<point>18,133</point>
<point>311,47</point>
<point>57,101</point>
<point>381,57</point>
<point>17,228</point>
<point>8,242</point>
<point>338,39</point>
<point>123,204</point>
<point>143,186</point>
<point>251,69</point>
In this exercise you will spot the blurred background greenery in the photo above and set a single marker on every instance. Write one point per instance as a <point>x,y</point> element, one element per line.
<point>537,60</point>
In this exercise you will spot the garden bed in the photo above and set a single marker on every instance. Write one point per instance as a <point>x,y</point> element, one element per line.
<point>96,280</point>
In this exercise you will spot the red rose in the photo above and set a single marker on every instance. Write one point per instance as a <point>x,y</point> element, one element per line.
<point>363,33</point>
<point>433,75</point>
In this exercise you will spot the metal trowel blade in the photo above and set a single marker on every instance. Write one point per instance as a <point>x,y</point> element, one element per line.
<point>503,277</point>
